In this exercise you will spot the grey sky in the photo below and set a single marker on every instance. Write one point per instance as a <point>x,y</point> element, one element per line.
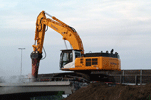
<point>123,25</point>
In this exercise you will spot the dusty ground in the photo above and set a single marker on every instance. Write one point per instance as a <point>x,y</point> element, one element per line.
<point>100,91</point>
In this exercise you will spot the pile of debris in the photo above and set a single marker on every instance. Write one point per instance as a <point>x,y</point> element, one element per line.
<point>101,91</point>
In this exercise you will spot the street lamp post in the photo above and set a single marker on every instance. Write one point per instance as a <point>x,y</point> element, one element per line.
<point>21,59</point>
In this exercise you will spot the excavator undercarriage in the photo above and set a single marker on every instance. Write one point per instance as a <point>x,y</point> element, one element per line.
<point>85,77</point>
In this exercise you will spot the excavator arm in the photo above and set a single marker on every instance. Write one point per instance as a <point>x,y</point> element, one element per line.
<point>66,31</point>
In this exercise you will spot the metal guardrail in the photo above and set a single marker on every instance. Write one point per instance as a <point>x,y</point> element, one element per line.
<point>25,80</point>
<point>137,79</point>
<point>43,79</point>
<point>123,76</point>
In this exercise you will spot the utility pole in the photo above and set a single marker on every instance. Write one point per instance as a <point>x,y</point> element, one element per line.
<point>21,60</point>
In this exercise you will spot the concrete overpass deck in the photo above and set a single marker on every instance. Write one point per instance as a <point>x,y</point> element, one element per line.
<point>14,88</point>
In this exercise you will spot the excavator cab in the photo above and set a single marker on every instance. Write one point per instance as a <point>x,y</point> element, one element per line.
<point>69,56</point>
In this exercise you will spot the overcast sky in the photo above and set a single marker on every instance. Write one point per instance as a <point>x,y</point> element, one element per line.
<point>122,25</point>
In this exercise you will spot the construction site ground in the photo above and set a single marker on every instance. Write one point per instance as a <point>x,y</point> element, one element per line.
<point>102,91</point>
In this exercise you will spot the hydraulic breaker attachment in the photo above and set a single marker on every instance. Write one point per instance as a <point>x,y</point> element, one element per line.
<point>35,56</point>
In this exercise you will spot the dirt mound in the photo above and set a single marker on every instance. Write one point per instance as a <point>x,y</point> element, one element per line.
<point>100,91</point>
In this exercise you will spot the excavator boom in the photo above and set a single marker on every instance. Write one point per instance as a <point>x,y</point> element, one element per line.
<point>66,31</point>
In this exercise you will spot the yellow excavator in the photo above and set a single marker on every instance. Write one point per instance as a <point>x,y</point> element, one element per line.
<point>82,64</point>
